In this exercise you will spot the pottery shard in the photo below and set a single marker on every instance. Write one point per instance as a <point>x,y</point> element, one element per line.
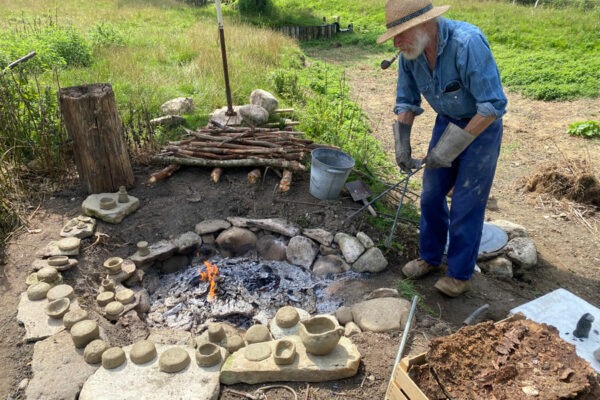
<point>113,357</point>
<point>84,332</point>
<point>365,240</point>
<point>381,315</point>
<point>301,251</point>
<point>351,329</point>
<point>174,360</point>
<point>236,241</point>
<point>330,265</point>
<point>142,352</point>
<point>351,247</point>
<point>257,334</point>
<point>372,260</point>
<point>320,235</point>
<point>253,115</point>
<point>512,230</point>
<point>211,226</point>
<point>271,248</point>
<point>73,317</point>
<point>93,351</point>
<point>178,106</point>
<point>344,315</point>
<point>499,266</point>
<point>522,251</point>
<point>187,242</point>
<point>264,99</point>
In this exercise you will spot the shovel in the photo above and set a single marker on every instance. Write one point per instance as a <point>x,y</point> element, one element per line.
<point>360,191</point>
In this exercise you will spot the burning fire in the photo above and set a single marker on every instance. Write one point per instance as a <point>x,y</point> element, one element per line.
<point>212,271</point>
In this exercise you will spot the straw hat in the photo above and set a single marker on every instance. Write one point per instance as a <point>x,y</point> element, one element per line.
<point>401,15</point>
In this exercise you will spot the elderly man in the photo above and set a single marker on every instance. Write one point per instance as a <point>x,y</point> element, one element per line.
<point>451,65</point>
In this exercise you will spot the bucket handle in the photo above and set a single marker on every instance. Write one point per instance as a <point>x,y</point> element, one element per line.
<point>335,171</point>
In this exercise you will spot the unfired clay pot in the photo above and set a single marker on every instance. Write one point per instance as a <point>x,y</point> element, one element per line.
<point>58,260</point>
<point>320,335</point>
<point>285,352</point>
<point>113,265</point>
<point>107,203</point>
<point>57,308</point>
<point>208,354</point>
<point>142,248</point>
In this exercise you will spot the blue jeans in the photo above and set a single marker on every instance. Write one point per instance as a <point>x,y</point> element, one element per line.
<point>471,175</point>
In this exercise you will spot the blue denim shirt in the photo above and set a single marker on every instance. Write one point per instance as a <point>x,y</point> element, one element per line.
<point>465,79</point>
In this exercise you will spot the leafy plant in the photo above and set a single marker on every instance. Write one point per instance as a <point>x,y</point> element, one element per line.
<point>250,7</point>
<point>105,34</point>
<point>586,129</point>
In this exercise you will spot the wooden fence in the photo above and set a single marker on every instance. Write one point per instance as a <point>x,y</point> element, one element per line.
<point>326,31</point>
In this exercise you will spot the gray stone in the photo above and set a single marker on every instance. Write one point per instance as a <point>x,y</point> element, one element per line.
<point>301,251</point>
<point>39,264</point>
<point>271,248</point>
<point>32,315</point>
<point>151,281</point>
<point>157,251</point>
<point>174,263</point>
<point>253,115</point>
<point>220,116</point>
<point>278,332</point>
<point>522,251</point>
<point>236,241</point>
<point>264,99</point>
<point>211,226</point>
<point>365,240</point>
<point>320,235</point>
<point>132,381</point>
<point>59,369</point>
<point>499,266</point>
<point>80,227</point>
<point>597,355</point>
<point>350,246</point>
<point>187,242</point>
<point>277,225</point>
<point>178,106</point>
<point>382,292</point>
<point>209,238</point>
<point>512,230</point>
<point>144,303</point>
<point>328,251</point>
<point>91,207</point>
<point>372,260</point>
<point>351,329</point>
<point>170,337</point>
<point>341,363</point>
<point>167,120</point>
<point>381,315</point>
<point>344,315</point>
<point>329,265</point>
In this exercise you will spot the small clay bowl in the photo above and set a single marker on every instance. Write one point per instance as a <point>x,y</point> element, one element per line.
<point>73,317</point>
<point>113,265</point>
<point>84,332</point>
<point>108,284</point>
<point>68,244</point>
<point>287,317</point>
<point>60,291</point>
<point>38,291</point>
<point>142,248</point>
<point>142,352</point>
<point>113,358</point>
<point>114,309</point>
<point>285,352</point>
<point>104,298</point>
<point>216,333</point>
<point>57,308</point>
<point>208,354</point>
<point>55,261</point>
<point>107,203</point>
<point>173,360</point>
<point>125,296</point>
<point>47,274</point>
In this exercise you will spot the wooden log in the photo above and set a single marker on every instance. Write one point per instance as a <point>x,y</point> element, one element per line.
<point>247,162</point>
<point>163,173</point>
<point>254,175</point>
<point>100,153</point>
<point>286,181</point>
<point>215,175</point>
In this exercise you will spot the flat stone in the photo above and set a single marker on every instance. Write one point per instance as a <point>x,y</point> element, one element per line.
<point>522,251</point>
<point>320,235</point>
<point>147,382</point>
<point>382,292</point>
<point>158,251</point>
<point>53,249</point>
<point>329,265</point>
<point>258,351</point>
<point>499,266</point>
<point>328,251</point>
<point>222,118</point>
<point>39,264</point>
<point>512,230</point>
<point>372,260</point>
<point>32,315</point>
<point>167,120</point>
<point>381,315</point>
<point>80,227</point>
<point>301,251</point>
<point>341,363</point>
<point>142,352</point>
<point>59,369</point>
<point>60,291</point>
<point>257,334</point>
<point>174,360</point>
<point>253,114</point>
<point>178,106</point>
<point>91,207</point>
<point>211,226</point>
<point>351,329</point>
<point>264,99</point>
<point>73,317</point>
<point>236,241</point>
<point>170,337</point>
<point>350,246</point>
<point>187,242</point>
<point>365,240</point>
<point>277,225</point>
<point>113,357</point>
<point>38,291</point>
<point>92,354</point>
<point>271,248</point>
<point>344,315</point>
<point>84,332</point>
<point>278,332</point>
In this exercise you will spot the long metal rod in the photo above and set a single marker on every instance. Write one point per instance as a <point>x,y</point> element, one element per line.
<point>411,314</point>
<point>388,241</point>
<point>230,111</point>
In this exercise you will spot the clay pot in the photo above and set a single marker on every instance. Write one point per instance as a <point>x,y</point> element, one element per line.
<point>55,261</point>
<point>57,308</point>
<point>285,352</point>
<point>208,354</point>
<point>123,198</point>
<point>320,335</point>
<point>107,203</point>
<point>142,248</point>
<point>216,333</point>
<point>108,284</point>
<point>113,265</point>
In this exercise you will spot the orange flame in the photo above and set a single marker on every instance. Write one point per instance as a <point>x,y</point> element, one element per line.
<point>212,271</point>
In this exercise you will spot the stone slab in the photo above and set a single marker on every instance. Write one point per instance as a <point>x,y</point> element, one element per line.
<point>32,315</point>
<point>43,263</point>
<point>91,207</point>
<point>52,249</point>
<point>58,368</point>
<point>78,228</point>
<point>146,381</point>
<point>341,363</point>
<point>381,314</point>
<point>160,250</point>
<point>277,225</point>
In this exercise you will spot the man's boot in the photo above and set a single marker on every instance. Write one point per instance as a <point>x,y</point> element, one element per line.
<point>418,268</point>
<point>452,287</point>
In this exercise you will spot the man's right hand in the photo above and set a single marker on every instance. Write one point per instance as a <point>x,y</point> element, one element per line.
<point>402,147</point>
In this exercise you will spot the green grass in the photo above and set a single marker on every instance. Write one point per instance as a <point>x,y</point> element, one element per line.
<point>407,290</point>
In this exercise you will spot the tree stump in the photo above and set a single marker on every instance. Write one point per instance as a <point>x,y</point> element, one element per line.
<point>91,118</point>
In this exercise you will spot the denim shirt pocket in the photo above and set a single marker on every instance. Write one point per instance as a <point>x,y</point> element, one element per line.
<point>456,103</point>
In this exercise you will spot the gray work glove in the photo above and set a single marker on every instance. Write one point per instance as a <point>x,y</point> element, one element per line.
<point>403,150</point>
<point>454,141</point>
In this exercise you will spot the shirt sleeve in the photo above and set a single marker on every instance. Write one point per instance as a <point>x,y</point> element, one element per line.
<point>481,77</point>
<point>408,97</point>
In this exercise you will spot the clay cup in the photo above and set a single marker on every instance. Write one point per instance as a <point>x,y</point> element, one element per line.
<point>320,335</point>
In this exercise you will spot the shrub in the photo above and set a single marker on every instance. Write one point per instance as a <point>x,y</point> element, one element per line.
<point>105,34</point>
<point>250,7</point>
<point>586,129</point>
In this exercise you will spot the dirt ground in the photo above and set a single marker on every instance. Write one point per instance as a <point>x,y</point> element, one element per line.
<point>566,235</point>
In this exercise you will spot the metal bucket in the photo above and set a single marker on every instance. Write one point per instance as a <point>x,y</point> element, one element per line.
<point>328,173</point>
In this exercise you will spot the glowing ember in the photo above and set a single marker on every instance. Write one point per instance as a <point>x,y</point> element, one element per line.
<point>212,271</point>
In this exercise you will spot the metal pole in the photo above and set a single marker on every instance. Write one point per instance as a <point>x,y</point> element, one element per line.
<point>230,111</point>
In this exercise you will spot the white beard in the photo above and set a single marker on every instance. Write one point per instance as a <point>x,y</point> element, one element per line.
<point>418,47</point>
